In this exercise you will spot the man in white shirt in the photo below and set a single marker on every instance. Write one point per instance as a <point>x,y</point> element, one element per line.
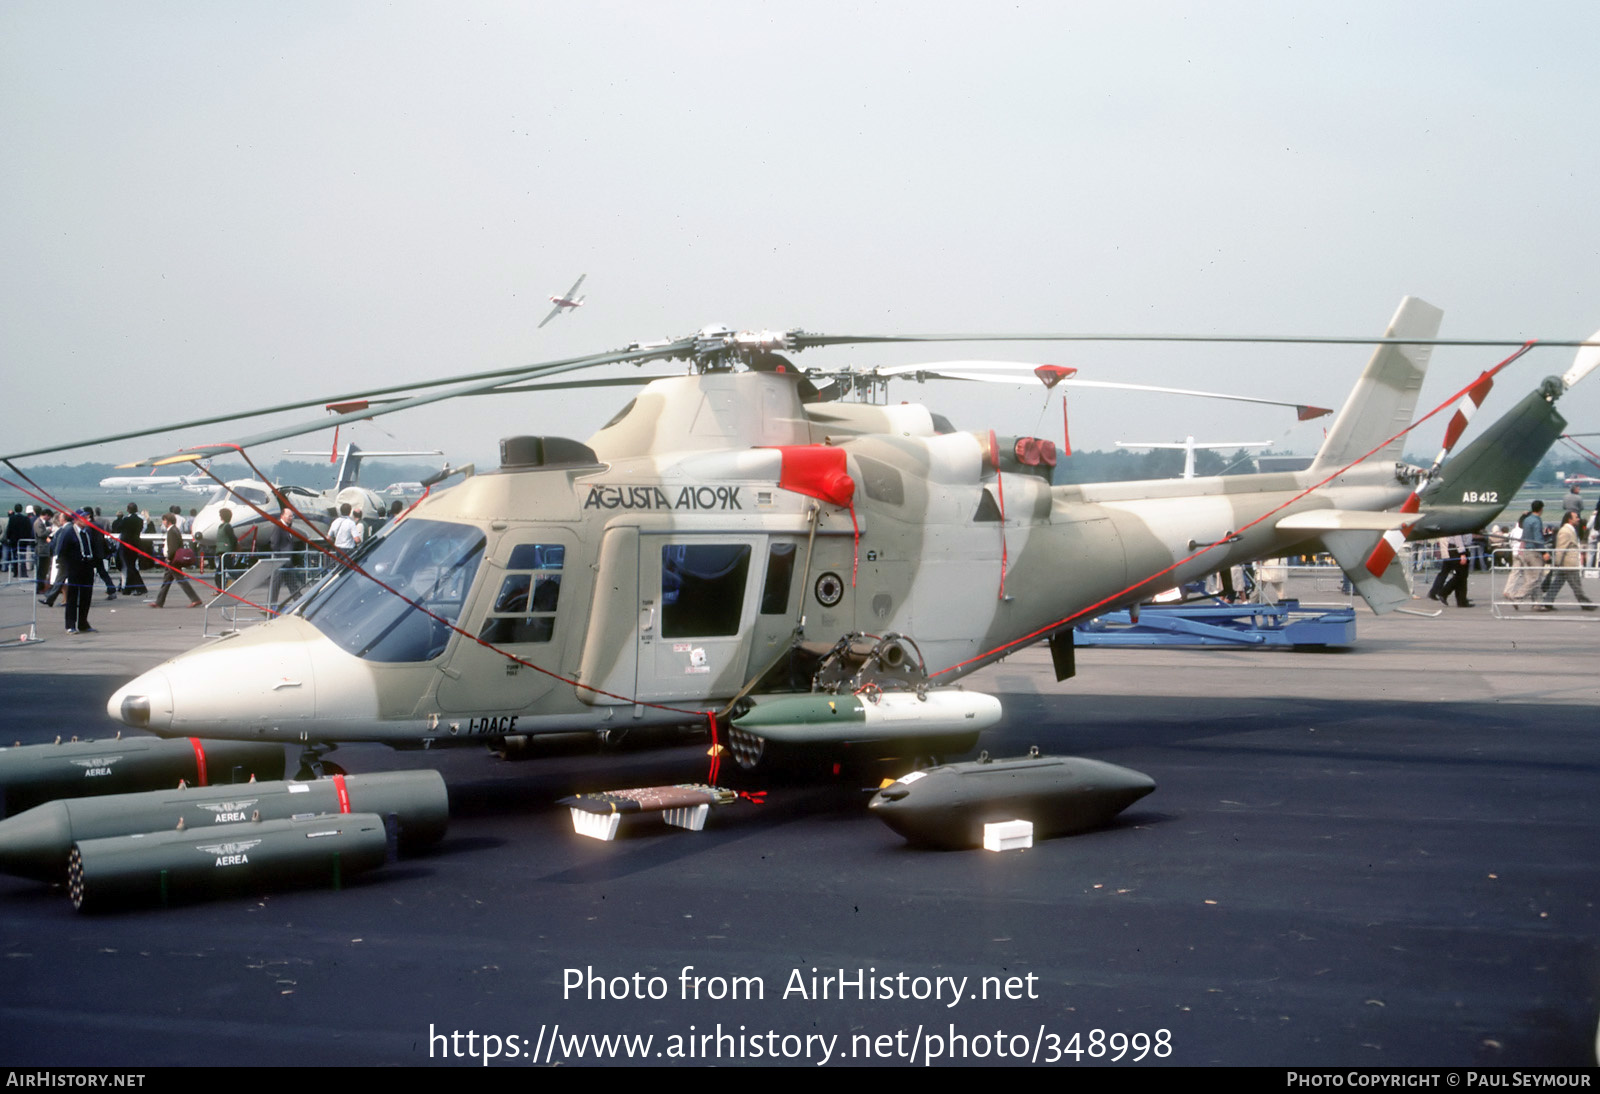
<point>343,530</point>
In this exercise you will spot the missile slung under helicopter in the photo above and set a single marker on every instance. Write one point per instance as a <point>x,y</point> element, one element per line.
<point>871,715</point>
<point>37,842</point>
<point>706,547</point>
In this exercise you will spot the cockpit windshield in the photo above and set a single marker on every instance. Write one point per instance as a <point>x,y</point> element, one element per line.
<point>227,494</point>
<point>429,562</point>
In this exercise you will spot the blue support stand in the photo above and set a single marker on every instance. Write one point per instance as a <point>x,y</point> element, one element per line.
<point>1216,624</point>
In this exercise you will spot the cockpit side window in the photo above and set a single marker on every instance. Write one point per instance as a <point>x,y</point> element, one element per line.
<point>431,563</point>
<point>524,610</point>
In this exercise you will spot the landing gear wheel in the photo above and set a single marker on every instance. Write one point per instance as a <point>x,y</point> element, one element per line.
<point>954,747</point>
<point>313,766</point>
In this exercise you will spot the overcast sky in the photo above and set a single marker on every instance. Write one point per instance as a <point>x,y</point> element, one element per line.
<point>212,206</point>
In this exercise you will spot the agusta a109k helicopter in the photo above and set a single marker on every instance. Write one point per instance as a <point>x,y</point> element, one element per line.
<point>734,545</point>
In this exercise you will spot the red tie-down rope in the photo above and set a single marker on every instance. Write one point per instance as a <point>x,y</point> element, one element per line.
<point>1082,613</point>
<point>1592,457</point>
<point>716,749</point>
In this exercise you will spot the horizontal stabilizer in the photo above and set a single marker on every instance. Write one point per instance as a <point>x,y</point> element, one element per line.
<point>1351,549</point>
<point>1343,520</point>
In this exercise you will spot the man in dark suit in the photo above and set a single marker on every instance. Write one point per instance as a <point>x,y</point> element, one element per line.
<point>79,547</point>
<point>130,530</point>
<point>18,529</point>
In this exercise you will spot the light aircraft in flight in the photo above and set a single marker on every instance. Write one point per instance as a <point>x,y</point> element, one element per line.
<point>732,550</point>
<point>566,301</point>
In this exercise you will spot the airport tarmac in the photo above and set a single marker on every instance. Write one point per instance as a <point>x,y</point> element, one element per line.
<point>1383,856</point>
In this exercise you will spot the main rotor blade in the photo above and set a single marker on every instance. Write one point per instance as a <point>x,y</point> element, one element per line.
<point>1197,445</point>
<point>1305,411</point>
<point>994,372</point>
<point>568,385</point>
<point>505,375</point>
<point>1583,362</point>
<point>526,373</point>
<point>803,340</point>
<point>560,385</point>
<point>796,340</point>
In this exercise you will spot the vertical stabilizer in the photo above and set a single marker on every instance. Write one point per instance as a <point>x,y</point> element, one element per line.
<point>349,467</point>
<point>1482,479</point>
<point>1385,397</point>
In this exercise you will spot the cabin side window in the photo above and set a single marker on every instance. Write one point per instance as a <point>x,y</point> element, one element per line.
<point>524,610</point>
<point>702,588</point>
<point>780,575</point>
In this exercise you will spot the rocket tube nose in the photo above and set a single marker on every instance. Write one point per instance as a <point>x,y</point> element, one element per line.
<point>35,842</point>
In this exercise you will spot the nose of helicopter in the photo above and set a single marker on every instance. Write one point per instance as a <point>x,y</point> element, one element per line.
<point>240,687</point>
<point>144,702</point>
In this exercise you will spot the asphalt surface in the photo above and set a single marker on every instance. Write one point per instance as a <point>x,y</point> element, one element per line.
<point>1383,856</point>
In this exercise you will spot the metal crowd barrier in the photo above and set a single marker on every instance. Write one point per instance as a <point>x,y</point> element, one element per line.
<point>1320,586</point>
<point>19,614</point>
<point>259,583</point>
<point>17,565</point>
<point>1529,592</point>
<point>1268,582</point>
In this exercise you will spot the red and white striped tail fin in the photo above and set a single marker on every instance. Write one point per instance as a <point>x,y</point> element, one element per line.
<point>1465,409</point>
<point>1388,547</point>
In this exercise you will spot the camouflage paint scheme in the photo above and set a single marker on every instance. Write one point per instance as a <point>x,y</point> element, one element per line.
<point>698,460</point>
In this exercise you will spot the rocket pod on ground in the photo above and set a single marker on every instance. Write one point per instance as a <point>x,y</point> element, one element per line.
<point>31,774</point>
<point>948,806</point>
<point>180,865</point>
<point>36,843</point>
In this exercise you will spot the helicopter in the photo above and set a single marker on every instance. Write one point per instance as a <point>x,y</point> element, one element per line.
<point>735,550</point>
